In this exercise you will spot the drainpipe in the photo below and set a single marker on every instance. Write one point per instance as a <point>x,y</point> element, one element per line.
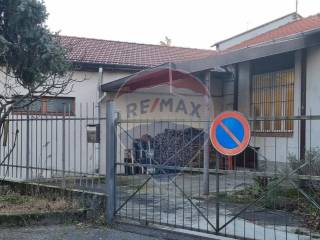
<point>236,87</point>
<point>303,103</point>
<point>99,97</point>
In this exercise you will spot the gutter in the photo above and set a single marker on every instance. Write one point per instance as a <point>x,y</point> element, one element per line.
<point>111,67</point>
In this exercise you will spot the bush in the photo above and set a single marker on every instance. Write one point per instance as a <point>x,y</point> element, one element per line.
<point>312,157</point>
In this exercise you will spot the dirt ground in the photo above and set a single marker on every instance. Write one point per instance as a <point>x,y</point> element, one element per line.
<point>68,232</point>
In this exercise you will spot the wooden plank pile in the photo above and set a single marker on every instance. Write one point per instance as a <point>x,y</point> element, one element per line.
<point>172,147</point>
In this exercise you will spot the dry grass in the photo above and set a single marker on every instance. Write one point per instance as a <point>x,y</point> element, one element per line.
<point>15,203</point>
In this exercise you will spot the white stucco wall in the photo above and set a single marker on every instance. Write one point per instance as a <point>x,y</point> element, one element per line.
<point>46,134</point>
<point>86,94</point>
<point>87,90</point>
<point>313,97</point>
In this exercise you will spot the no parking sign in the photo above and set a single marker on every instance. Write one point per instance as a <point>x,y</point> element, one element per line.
<point>230,133</point>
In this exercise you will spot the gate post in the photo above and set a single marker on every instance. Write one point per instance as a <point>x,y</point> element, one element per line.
<point>110,161</point>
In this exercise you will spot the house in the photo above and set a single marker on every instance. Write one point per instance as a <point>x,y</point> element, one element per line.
<point>251,33</point>
<point>53,139</point>
<point>117,59</point>
<point>268,73</point>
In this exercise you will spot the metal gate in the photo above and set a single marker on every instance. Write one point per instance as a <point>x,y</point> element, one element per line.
<point>267,192</point>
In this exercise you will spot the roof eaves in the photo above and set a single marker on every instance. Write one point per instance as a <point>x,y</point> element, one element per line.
<point>307,39</point>
<point>291,36</point>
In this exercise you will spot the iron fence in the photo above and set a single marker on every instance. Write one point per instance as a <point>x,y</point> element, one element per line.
<point>54,149</point>
<point>270,191</point>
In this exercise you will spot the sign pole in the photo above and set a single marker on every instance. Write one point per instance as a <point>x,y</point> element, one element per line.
<point>229,135</point>
<point>218,159</point>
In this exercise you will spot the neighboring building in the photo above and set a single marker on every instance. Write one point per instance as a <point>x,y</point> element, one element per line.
<point>266,27</point>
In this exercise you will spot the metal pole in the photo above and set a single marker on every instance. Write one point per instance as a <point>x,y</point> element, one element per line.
<point>110,161</point>
<point>218,158</point>
<point>206,141</point>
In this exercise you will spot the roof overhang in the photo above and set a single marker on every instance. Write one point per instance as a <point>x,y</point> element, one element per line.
<point>115,85</point>
<point>289,44</point>
<point>292,43</point>
<point>150,77</point>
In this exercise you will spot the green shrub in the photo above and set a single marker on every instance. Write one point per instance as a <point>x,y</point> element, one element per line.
<point>312,157</point>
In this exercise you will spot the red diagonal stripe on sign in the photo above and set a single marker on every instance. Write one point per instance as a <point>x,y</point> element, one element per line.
<point>230,133</point>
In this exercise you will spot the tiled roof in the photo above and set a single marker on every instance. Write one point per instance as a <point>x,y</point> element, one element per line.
<point>96,51</point>
<point>298,26</point>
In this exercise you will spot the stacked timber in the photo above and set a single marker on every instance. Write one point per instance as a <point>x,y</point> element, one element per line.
<point>172,147</point>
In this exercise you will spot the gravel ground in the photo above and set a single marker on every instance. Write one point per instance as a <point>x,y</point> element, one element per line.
<point>68,232</point>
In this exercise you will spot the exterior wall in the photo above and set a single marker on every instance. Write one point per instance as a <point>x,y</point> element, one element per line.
<point>228,90</point>
<point>216,89</point>
<point>46,133</point>
<point>276,149</point>
<point>87,90</point>
<point>87,95</point>
<point>313,97</point>
<point>244,88</point>
<point>256,31</point>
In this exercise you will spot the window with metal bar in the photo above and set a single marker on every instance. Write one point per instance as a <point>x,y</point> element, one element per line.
<point>46,105</point>
<point>273,96</point>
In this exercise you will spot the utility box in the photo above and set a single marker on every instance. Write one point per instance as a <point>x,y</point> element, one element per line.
<point>93,133</point>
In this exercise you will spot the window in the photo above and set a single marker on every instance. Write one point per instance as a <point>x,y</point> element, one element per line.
<point>46,105</point>
<point>273,96</point>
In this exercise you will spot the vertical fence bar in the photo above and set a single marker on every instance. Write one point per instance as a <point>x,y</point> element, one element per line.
<point>17,147</point>
<point>87,148</point>
<point>27,144</point>
<point>64,147</point>
<point>110,162</point>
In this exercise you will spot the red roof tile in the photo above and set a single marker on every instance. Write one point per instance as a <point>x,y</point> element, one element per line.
<point>298,26</point>
<point>87,50</point>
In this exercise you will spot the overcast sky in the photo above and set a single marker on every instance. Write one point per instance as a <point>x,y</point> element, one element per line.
<point>189,23</point>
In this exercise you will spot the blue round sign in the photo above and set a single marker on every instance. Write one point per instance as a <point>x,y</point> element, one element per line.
<point>230,133</point>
